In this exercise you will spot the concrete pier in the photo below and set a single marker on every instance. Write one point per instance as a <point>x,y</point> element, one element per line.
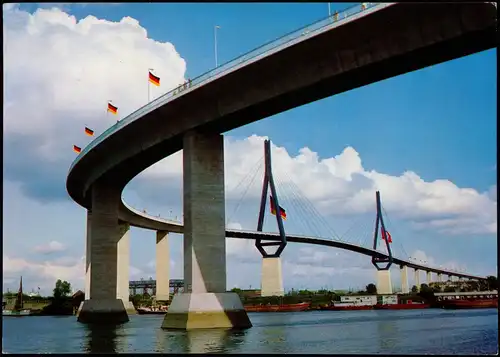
<point>162,266</point>
<point>428,277</point>
<point>272,277</point>
<point>417,279</point>
<point>439,277</point>
<point>107,262</point>
<point>384,284</point>
<point>87,255</point>
<point>205,303</point>
<point>405,289</point>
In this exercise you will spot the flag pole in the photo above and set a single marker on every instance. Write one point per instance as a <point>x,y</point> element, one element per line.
<point>149,85</point>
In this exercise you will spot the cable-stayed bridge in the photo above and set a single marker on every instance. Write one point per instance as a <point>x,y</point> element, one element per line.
<point>366,43</point>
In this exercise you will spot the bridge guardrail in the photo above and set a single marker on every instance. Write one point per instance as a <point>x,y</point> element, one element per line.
<point>251,56</point>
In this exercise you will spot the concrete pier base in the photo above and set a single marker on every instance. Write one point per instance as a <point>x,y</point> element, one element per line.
<point>206,310</point>
<point>384,284</point>
<point>205,303</point>
<point>428,277</point>
<point>103,311</point>
<point>272,278</point>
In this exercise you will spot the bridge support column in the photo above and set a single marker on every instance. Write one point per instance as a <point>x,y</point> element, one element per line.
<point>205,303</point>
<point>108,261</point>
<point>417,279</point>
<point>439,277</point>
<point>428,277</point>
<point>162,266</point>
<point>405,289</point>
<point>384,284</point>
<point>272,278</point>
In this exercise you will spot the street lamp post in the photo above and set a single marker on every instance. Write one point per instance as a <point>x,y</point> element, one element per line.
<point>215,44</point>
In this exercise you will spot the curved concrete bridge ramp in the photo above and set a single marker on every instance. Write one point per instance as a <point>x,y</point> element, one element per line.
<point>325,59</point>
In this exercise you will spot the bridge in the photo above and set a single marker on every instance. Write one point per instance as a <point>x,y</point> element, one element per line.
<point>363,45</point>
<point>145,285</point>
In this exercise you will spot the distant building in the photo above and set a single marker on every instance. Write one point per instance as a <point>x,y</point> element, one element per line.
<point>357,300</point>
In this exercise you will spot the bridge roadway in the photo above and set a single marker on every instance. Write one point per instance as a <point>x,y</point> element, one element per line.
<point>158,223</point>
<point>321,60</point>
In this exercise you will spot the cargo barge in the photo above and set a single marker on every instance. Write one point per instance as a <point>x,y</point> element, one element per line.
<point>410,306</point>
<point>347,308</point>
<point>470,304</point>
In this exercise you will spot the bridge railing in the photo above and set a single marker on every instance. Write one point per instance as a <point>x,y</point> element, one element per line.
<point>287,40</point>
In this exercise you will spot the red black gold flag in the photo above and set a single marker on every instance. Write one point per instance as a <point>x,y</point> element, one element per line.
<point>154,79</point>
<point>77,149</point>
<point>273,209</point>
<point>112,109</point>
<point>89,131</point>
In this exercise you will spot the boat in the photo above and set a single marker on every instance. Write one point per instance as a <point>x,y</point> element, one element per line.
<point>334,307</point>
<point>407,306</point>
<point>470,304</point>
<point>18,310</point>
<point>152,310</point>
<point>303,306</point>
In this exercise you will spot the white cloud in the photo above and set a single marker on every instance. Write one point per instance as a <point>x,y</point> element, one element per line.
<point>65,60</point>
<point>44,275</point>
<point>340,185</point>
<point>51,247</point>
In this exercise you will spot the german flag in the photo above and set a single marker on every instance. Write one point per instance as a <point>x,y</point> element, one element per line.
<point>112,109</point>
<point>89,131</point>
<point>77,149</point>
<point>273,209</point>
<point>153,79</point>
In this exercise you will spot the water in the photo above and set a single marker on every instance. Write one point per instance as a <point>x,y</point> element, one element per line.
<point>432,331</point>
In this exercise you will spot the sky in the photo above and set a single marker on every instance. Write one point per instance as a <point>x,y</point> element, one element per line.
<point>426,140</point>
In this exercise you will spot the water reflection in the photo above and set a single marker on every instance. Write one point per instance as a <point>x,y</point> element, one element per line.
<point>387,334</point>
<point>105,338</point>
<point>199,341</point>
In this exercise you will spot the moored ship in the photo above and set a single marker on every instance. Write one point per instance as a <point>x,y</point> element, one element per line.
<point>407,306</point>
<point>303,306</point>
<point>152,310</point>
<point>347,307</point>
<point>470,304</point>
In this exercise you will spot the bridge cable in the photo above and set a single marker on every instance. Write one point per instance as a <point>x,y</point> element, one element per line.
<point>315,211</point>
<point>313,226</point>
<point>365,232</point>
<point>297,211</point>
<point>389,221</point>
<point>300,203</point>
<point>307,217</point>
<point>356,224</point>
<point>259,163</point>
<point>309,207</point>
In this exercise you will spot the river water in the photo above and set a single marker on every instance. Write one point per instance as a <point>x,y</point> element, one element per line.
<point>432,331</point>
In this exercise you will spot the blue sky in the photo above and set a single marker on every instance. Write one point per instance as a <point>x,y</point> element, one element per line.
<point>439,122</point>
